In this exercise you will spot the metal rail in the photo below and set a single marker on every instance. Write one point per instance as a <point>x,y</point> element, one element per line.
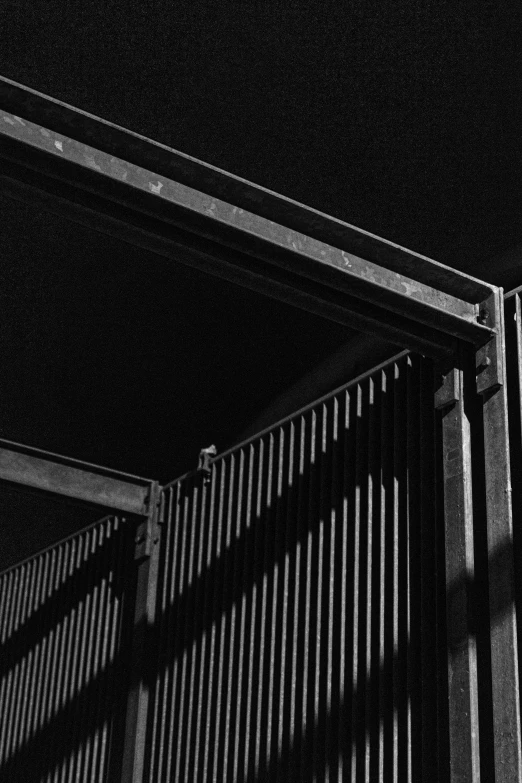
<point>66,120</point>
<point>71,478</point>
<point>195,227</point>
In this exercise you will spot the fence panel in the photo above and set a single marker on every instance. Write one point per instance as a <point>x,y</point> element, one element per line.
<point>301,619</point>
<point>63,672</point>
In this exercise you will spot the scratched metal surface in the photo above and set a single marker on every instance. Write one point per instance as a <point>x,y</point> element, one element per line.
<point>67,120</point>
<point>359,270</point>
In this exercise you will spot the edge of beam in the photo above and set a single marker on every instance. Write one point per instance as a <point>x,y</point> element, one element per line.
<point>59,475</point>
<point>135,148</point>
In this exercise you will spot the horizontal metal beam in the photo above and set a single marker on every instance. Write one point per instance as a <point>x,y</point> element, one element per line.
<point>71,478</point>
<point>61,118</point>
<point>299,292</point>
<point>396,300</point>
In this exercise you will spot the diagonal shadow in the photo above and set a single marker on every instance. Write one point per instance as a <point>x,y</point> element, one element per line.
<point>316,747</point>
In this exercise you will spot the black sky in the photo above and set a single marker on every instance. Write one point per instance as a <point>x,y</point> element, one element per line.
<point>402,118</point>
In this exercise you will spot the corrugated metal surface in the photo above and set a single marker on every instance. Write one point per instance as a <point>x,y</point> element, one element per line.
<point>298,602</point>
<point>61,664</point>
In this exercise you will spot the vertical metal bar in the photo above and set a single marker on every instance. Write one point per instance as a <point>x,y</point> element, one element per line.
<point>386,481</point>
<point>298,695</point>
<point>180,652</point>
<point>357,685</point>
<point>252,561</point>
<point>181,640</point>
<point>240,600</point>
<point>503,622</point>
<point>212,608</point>
<point>462,654</point>
<point>230,606</point>
<point>370,566</point>
<point>262,722</point>
<point>278,609</point>
<point>220,620</point>
<point>410,486</point>
<point>310,627</point>
<point>172,640</point>
<point>428,576</point>
<point>333,592</point>
<point>165,573</point>
<point>189,642</point>
<point>319,524</point>
<point>102,669</point>
<point>289,544</point>
<point>144,616</point>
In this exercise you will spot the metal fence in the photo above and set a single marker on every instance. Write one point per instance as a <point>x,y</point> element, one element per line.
<point>63,662</point>
<point>298,598</point>
<point>284,617</point>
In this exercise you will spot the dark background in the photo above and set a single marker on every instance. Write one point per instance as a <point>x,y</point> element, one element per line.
<point>401,118</point>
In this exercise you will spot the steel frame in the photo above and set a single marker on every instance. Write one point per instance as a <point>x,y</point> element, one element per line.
<point>115,181</point>
<point>42,470</point>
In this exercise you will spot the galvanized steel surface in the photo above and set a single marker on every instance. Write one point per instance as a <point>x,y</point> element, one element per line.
<point>62,668</point>
<point>298,602</point>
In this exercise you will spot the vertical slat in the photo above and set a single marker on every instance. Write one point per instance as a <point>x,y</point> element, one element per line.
<point>252,561</point>
<point>230,607</point>
<point>358,684</point>
<point>373,578</point>
<point>189,646</point>
<point>263,639</point>
<point>278,603</point>
<point>323,557</point>
<point>311,619</point>
<point>213,547</point>
<point>170,642</point>
<point>503,619</point>
<point>332,594</point>
<point>299,658</point>
<point>428,571</point>
<point>385,480</point>
<point>346,695</point>
<point>288,547</point>
<point>415,525</point>
<point>405,574</point>
<point>182,641</point>
<point>219,624</point>
<point>240,544</point>
<point>462,656</point>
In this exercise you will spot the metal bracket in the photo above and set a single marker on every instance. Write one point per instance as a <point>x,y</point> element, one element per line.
<point>449,390</point>
<point>147,531</point>
<point>205,455</point>
<point>490,357</point>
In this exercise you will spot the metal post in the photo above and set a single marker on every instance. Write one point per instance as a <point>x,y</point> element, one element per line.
<point>147,556</point>
<point>491,383</point>
<point>458,515</point>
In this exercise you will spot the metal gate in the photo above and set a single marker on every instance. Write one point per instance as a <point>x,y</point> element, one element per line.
<point>301,631</point>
